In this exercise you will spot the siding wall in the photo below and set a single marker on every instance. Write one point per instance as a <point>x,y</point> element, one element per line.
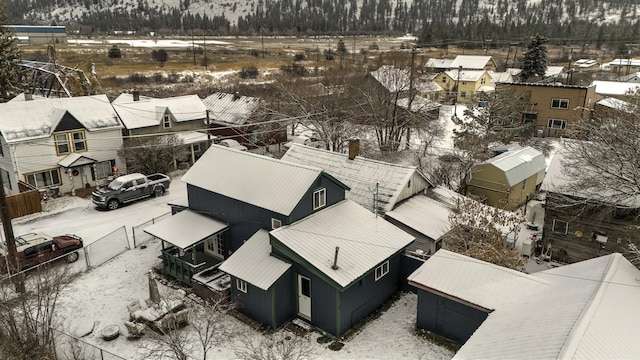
<point>255,303</point>
<point>447,318</point>
<point>191,125</point>
<point>417,184</point>
<point>284,292</point>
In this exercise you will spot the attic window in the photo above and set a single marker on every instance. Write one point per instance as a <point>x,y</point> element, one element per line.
<point>241,285</point>
<point>166,121</point>
<point>382,270</point>
<point>275,223</point>
<point>319,198</point>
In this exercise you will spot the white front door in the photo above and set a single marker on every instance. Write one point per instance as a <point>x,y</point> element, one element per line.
<point>304,297</point>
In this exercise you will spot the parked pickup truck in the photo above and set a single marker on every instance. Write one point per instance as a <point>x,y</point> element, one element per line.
<point>128,188</point>
<point>34,249</point>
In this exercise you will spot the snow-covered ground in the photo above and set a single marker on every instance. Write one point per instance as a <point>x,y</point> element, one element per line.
<point>99,297</point>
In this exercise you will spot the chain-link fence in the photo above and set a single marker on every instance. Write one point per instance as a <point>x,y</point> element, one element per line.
<point>139,236</point>
<point>107,247</point>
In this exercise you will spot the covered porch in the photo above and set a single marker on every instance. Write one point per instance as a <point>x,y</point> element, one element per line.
<point>191,242</point>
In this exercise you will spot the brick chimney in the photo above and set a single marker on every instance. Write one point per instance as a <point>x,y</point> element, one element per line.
<point>136,95</point>
<point>354,148</point>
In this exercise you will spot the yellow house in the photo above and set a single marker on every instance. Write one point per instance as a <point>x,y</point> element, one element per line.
<point>552,107</point>
<point>509,179</point>
<point>463,84</point>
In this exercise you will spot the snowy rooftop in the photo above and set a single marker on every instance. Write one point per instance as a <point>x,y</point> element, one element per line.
<point>586,310</point>
<point>470,62</point>
<point>392,78</point>
<point>615,88</point>
<point>38,118</point>
<point>147,111</point>
<point>360,174</point>
<point>365,240</point>
<point>553,71</point>
<point>186,228</point>
<point>439,63</point>
<point>262,181</point>
<point>419,104</point>
<point>230,108</point>
<point>501,76</point>
<point>253,263</point>
<point>518,165</point>
<point>465,75</point>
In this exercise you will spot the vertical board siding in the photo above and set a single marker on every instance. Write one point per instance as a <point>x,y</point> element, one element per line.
<point>323,302</point>
<point>335,194</point>
<point>255,303</point>
<point>285,303</point>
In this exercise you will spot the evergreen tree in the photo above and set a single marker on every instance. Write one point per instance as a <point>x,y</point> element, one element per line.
<point>535,59</point>
<point>10,57</point>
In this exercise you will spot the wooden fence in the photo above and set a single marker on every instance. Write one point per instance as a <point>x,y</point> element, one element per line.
<point>24,203</point>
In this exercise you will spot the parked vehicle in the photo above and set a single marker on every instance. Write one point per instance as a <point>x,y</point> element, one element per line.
<point>34,249</point>
<point>233,144</point>
<point>130,188</point>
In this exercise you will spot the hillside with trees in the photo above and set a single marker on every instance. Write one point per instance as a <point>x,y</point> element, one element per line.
<point>438,22</point>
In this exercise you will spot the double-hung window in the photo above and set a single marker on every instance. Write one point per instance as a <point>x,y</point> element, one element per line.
<point>68,142</point>
<point>557,124</point>
<point>319,198</point>
<point>166,121</point>
<point>241,285</point>
<point>559,103</point>
<point>382,270</point>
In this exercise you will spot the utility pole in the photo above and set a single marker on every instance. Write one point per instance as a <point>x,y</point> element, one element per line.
<point>14,264</point>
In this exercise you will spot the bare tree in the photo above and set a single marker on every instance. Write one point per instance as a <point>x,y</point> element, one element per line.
<point>280,345</point>
<point>157,154</point>
<point>27,319</point>
<point>211,322</point>
<point>480,231</point>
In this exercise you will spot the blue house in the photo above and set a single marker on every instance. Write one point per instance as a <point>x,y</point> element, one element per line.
<point>289,241</point>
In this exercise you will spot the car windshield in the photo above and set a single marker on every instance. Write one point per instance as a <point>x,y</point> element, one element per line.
<point>115,184</point>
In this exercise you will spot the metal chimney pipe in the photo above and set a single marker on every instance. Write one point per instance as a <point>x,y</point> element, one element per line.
<point>335,259</point>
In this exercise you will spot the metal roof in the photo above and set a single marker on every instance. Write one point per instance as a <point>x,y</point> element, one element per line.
<point>586,310</point>
<point>150,111</point>
<point>465,75</point>
<point>439,63</point>
<point>392,78</point>
<point>470,62</point>
<point>230,108</point>
<point>253,263</point>
<point>262,181</point>
<point>360,174</point>
<point>38,118</point>
<point>517,165</point>
<point>615,88</point>
<point>186,228</point>
<point>365,241</point>
<point>75,159</point>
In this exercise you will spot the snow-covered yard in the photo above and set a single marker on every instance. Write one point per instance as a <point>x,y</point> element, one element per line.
<point>99,297</point>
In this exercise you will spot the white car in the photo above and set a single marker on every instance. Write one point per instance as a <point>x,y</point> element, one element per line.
<point>233,144</point>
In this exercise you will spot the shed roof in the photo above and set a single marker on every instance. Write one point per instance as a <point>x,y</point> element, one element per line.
<point>186,228</point>
<point>149,111</point>
<point>253,263</point>
<point>517,165</point>
<point>38,118</point>
<point>586,310</point>
<point>360,174</point>
<point>230,108</point>
<point>472,62</point>
<point>265,182</point>
<point>365,241</point>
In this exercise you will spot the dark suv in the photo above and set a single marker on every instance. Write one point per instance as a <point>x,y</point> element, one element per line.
<point>34,249</point>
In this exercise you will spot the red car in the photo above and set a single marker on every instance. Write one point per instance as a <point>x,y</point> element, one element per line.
<point>34,249</point>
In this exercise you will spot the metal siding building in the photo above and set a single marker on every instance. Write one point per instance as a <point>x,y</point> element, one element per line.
<point>324,299</point>
<point>32,34</point>
<point>271,308</point>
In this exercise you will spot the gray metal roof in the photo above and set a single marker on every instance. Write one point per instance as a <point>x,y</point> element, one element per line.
<point>518,165</point>
<point>38,118</point>
<point>230,108</point>
<point>365,240</point>
<point>360,174</point>
<point>253,263</point>
<point>265,182</point>
<point>148,111</point>
<point>186,228</point>
<point>470,61</point>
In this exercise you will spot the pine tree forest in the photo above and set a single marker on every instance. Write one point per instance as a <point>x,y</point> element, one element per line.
<point>470,23</point>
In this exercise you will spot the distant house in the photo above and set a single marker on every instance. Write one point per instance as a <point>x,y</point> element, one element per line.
<point>623,67</point>
<point>578,227</point>
<point>464,84</point>
<point>615,89</point>
<point>561,313</point>
<point>376,185</point>
<point>59,144</point>
<point>497,77</point>
<point>230,117</point>
<point>184,116</point>
<point>435,65</point>
<point>33,34</point>
<point>509,179</point>
<point>552,107</point>
<point>288,238</point>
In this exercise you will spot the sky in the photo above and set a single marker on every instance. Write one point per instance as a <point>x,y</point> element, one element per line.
<point>98,297</point>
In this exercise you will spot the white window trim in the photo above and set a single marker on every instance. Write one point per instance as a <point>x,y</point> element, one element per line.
<point>322,198</point>
<point>275,223</point>
<point>383,270</point>
<point>566,227</point>
<point>551,121</point>
<point>241,285</point>
<point>560,102</point>
<point>166,121</point>
<point>70,141</point>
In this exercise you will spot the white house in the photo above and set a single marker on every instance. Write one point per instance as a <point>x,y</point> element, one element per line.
<point>61,144</point>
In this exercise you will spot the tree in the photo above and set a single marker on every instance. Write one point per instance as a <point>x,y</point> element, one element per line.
<point>160,56</point>
<point>480,231</point>
<point>281,345</point>
<point>149,155</point>
<point>535,59</point>
<point>10,57</point>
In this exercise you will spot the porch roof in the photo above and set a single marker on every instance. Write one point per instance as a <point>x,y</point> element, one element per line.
<point>75,159</point>
<point>186,228</point>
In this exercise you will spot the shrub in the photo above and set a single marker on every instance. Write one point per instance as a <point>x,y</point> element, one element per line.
<point>115,52</point>
<point>250,72</point>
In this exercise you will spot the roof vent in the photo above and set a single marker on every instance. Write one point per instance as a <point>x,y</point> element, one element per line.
<point>335,259</point>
